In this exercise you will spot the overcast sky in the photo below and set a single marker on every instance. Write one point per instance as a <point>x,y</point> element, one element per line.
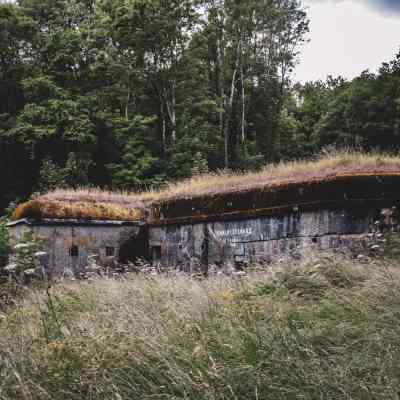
<point>349,36</point>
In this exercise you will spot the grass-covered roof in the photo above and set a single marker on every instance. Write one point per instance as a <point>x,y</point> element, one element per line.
<point>95,204</point>
<point>83,209</point>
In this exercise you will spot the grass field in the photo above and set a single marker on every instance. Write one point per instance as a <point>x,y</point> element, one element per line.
<point>326,329</point>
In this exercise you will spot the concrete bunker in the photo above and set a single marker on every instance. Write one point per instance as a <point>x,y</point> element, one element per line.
<point>258,225</point>
<point>247,219</point>
<point>69,243</point>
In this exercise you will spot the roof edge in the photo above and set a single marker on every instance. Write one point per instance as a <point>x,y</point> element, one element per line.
<point>74,222</point>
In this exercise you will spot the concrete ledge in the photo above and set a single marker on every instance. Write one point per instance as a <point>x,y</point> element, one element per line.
<point>73,222</point>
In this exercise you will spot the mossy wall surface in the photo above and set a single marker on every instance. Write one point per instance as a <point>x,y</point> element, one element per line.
<point>338,192</point>
<point>258,240</point>
<point>90,240</point>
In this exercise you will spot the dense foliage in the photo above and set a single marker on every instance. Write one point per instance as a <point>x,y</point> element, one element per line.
<point>127,94</point>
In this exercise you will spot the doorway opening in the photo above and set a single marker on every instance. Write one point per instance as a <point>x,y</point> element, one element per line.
<point>135,248</point>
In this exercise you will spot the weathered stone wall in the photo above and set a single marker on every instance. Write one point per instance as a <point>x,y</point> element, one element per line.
<point>58,241</point>
<point>255,240</point>
<point>198,245</point>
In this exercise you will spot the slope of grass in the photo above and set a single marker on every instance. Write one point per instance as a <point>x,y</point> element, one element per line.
<point>325,167</point>
<point>327,329</point>
<point>95,203</point>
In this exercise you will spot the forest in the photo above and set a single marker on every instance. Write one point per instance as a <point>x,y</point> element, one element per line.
<point>130,94</point>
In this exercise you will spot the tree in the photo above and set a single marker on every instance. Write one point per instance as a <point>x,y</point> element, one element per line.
<point>365,113</point>
<point>255,46</point>
<point>137,167</point>
<point>153,35</point>
<point>16,32</point>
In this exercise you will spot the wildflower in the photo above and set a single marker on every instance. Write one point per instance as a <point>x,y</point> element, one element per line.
<point>30,271</point>
<point>10,267</point>
<point>20,246</point>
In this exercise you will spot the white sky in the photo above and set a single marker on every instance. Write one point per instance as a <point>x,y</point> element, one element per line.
<point>347,37</point>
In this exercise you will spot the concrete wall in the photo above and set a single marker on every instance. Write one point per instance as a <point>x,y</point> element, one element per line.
<point>203,244</point>
<point>58,241</point>
<point>257,240</point>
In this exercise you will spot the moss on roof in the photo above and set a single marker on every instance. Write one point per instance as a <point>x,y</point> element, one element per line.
<point>98,204</point>
<point>40,209</point>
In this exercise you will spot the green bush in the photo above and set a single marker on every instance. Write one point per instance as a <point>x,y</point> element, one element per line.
<point>25,258</point>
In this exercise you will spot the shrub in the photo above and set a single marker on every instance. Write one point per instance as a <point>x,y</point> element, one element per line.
<point>26,257</point>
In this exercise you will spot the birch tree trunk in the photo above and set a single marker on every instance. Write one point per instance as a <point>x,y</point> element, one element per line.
<point>221,86</point>
<point>229,108</point>
<point>173,111</point>
<point>163,127</point>
<point>243,130</point>
<point>171,108</point>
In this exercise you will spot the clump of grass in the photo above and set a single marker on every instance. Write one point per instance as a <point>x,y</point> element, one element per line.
<point>327,329</point>
<point>40,209</point>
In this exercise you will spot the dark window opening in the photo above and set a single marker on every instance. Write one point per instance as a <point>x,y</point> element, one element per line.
<point>156,253</point>
<point>136,248</point>
<point>110,251</point>
<point>74,251</point>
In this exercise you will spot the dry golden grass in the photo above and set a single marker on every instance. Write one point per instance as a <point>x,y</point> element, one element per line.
<point>325,167</point>
<point>344,163</point>
<point>44,209</point>
<point>327,329</point>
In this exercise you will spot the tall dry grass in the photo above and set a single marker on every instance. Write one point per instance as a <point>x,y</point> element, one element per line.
<point>92,203</point>
<point>327,329</point>
<point>326,166</point>
<point>42,208</point>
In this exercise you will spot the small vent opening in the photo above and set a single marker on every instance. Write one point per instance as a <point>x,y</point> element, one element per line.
<point>74,251</point>
<point>156,253</point>
<point>110,251</point>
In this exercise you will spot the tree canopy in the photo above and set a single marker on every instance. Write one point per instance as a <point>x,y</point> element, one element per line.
<point>128,94</point>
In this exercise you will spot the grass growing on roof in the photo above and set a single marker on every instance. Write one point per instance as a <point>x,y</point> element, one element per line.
<point>324,167</point>
<point>328,166</point>
<point>42,209</point>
